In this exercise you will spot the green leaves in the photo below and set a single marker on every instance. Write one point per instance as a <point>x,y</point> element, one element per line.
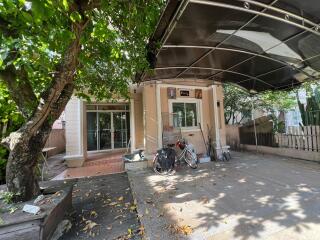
<point>38,10</point>
<point>238,104</point>
<point>113,43</point>
<point>65,4</point>
<point>75,17</point>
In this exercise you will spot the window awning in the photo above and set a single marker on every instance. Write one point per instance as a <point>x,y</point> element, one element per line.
<point>259,45</point>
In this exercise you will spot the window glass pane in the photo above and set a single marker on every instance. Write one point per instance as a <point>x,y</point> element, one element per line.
<point>191,114</point>
<point>120,129</point>
<point>92,131</point>
<point>178,112</point>
<point>104,130</point>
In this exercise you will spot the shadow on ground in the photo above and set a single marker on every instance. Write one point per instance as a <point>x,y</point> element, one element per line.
<point>250,197</point>
<point>103,209</point>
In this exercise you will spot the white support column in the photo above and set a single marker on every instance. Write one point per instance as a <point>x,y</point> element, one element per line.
<point>75,132</point>
<point>84,130</point>
<point>159,117</point>
<point>80,112</point>
<point>144,118</point>
<point>216,115</point>
<point>132,125</point>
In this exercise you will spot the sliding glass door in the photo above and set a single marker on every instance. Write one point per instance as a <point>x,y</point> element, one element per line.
<point>107,129</point>
<point>92,131</point>
<point>121,129</point>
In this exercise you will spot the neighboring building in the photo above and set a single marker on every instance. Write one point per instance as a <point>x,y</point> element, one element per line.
<point>60,122</point>
<point>140,121</point>
<point>293,116</point>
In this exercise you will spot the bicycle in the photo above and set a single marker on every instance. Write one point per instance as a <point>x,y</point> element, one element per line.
<point>161,161</point>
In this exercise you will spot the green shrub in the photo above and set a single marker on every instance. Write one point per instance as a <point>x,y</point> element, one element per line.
<point>3,162</point>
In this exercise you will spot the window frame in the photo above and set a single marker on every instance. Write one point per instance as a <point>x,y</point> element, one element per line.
<point>198,103</point>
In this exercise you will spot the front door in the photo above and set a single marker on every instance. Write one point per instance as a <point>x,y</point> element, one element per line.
<point>107,130</point>
<point>121,129</point>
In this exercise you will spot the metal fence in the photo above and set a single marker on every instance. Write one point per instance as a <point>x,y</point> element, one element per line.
<point>302,138</point>
<point>263,139</point>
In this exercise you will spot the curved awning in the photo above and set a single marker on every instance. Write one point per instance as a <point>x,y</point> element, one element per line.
<point>259,45</point>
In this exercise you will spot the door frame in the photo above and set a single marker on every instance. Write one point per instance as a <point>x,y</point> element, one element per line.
<point>112,128</point>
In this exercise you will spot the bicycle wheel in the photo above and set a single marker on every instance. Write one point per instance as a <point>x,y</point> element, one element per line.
<point>191,159</point>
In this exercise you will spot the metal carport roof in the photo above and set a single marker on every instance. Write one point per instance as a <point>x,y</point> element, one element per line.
<point>259,45</point>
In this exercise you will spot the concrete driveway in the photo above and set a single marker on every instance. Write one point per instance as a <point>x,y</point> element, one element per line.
<point>250,197</point>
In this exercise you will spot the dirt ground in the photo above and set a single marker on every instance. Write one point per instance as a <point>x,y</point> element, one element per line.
<point>104,209</point>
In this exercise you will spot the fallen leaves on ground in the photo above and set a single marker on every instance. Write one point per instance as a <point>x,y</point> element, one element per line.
<point>185,229</point>
<point>93,214</point>
<point>57,194</point>
<point>13,209</point>
<point>75,191</point>
<point>141,230</point>
<point>109,227</point>
<point>88,193</point>
<point>204,200</point>
<point>116,217</point>
<point>149,200</point>
<point>129,232</point>
<point>133,207</point>
<point>88,228</point>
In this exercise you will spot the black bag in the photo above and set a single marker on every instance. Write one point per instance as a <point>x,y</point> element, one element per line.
<point>167,158</point>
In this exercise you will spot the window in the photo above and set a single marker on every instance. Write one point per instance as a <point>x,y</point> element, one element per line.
<point>184,114</point>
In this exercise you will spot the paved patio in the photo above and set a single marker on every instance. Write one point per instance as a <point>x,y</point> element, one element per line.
<point>250,197</point>
<point>97,164</point>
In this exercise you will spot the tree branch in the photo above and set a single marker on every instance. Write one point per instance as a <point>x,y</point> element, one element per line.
<point>53,100</point>
<point>65,73</point>
<point>4,28</point>
<point>20,89</point>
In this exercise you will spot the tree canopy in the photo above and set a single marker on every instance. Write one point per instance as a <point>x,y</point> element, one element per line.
<point>50,49</point>
<point>35,35</point>
<point>238,103</point>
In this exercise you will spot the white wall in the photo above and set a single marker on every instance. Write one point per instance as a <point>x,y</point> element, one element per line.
<point>74,133</point>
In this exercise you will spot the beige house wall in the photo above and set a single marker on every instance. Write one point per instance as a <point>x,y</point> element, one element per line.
<point>150,118</point>
<point>148,103</point>
<point>193,136</point>
<point>138,120</point>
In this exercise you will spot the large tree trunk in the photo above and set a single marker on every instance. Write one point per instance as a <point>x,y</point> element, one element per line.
<point>26,144</point>
<point>21,176</point>
<point>25,149</point>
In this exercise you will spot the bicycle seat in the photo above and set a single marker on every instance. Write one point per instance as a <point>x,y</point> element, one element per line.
<point>171,145</point>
